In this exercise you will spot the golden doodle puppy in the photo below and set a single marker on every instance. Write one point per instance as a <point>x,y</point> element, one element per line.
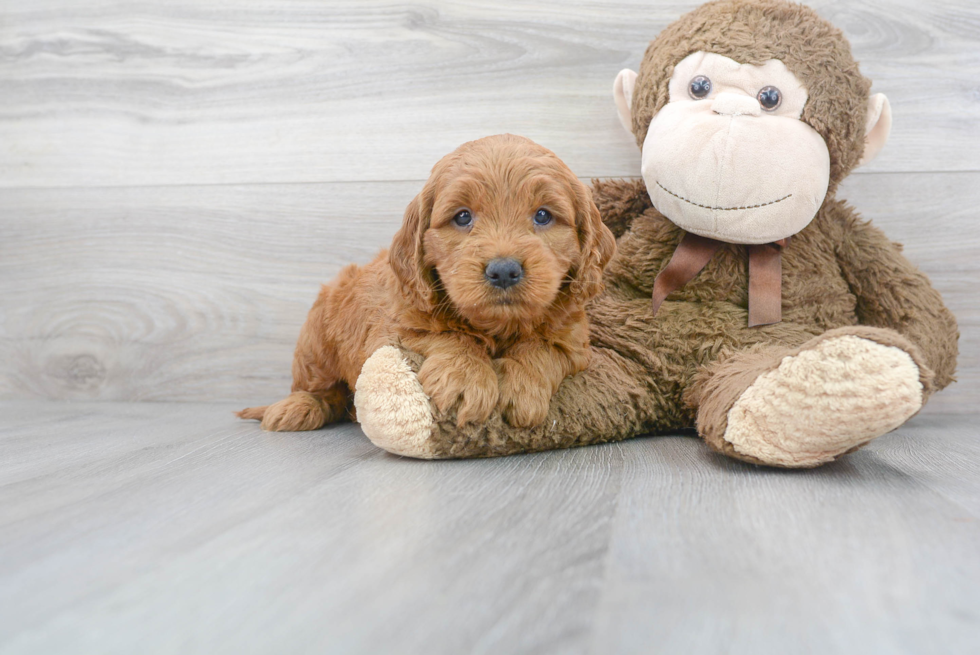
<point>487,278</point>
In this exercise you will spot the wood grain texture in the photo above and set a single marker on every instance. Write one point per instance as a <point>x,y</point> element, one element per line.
<point>856,557</point>
<point>163,528</point>
<point>198,293</point>
<point>177,178</point>
<point>135,294</point>
<point>105,92</point>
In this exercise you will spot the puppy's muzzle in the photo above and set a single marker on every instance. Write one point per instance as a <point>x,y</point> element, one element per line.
<point>503,273</point>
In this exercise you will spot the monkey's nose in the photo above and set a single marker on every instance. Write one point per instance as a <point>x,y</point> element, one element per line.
<point>736,104</point>
<point>503,273</point>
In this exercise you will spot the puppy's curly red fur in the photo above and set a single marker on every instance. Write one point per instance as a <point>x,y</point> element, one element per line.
<point>485,346</point>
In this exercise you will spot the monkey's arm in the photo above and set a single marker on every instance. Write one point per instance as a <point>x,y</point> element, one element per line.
<point>891,292</point>
<point>619,202</point>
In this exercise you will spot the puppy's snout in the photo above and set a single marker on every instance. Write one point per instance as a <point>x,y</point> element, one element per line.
<point>504,273</point>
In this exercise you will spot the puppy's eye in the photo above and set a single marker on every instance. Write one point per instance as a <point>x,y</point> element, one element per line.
<point>463,218</point>
<point>699,87</point>
<point>770,98</point>
<point>542,217</point>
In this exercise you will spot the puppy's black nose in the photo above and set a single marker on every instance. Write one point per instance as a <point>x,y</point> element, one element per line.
<point>504,273</point>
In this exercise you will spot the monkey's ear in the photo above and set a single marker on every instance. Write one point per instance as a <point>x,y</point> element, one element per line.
<point>878,127</point>
<point>623,95</point>
<point>406,256</point>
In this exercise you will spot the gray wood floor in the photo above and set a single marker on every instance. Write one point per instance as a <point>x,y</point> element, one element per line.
<point>177,178</point>
<point>174,528</point>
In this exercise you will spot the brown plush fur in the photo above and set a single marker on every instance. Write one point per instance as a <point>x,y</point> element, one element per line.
<point>651,373</point>
<point>485,346</point>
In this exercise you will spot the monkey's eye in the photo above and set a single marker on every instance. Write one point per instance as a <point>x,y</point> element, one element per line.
<point>463,218</point>
<point>770,98</point>
<point>699,87</point>
<point>542,217</point>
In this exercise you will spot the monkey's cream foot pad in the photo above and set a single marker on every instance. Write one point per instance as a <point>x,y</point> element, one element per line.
<point>825,401</point>
<point>392,408</point>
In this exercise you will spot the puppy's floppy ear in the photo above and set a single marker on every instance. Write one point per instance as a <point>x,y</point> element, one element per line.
<point>596,242</point>
<point>406,255</point>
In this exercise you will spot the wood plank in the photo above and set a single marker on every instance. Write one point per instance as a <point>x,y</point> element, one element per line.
<point>160,528</point>
<point>944,455</point>
<point>131,294</point>
<point>125,93</point>
<point>862,555</point>
<point>198,293</point>
<point>182,515</point>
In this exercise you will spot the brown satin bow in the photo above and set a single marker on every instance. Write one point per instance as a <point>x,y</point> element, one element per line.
<point>765,275</point>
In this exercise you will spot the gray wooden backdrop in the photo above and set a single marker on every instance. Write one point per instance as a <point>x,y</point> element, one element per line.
<point>177,178</point>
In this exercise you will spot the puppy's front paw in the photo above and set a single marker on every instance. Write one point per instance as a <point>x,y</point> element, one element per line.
<point>472,382</point>
<point>525,394</point>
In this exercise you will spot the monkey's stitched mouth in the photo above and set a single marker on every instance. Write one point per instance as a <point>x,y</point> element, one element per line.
<point>724,209</point>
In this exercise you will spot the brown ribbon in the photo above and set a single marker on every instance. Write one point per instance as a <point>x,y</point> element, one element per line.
<point>765,275</point>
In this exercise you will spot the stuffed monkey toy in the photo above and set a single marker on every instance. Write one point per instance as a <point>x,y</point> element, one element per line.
<point>745,299</point>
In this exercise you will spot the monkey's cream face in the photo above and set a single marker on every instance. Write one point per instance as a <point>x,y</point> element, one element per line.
<point>728,156</point>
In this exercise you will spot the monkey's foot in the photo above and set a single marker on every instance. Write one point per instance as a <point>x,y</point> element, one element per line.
<point>831,396</point>
<point>392,409</point>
